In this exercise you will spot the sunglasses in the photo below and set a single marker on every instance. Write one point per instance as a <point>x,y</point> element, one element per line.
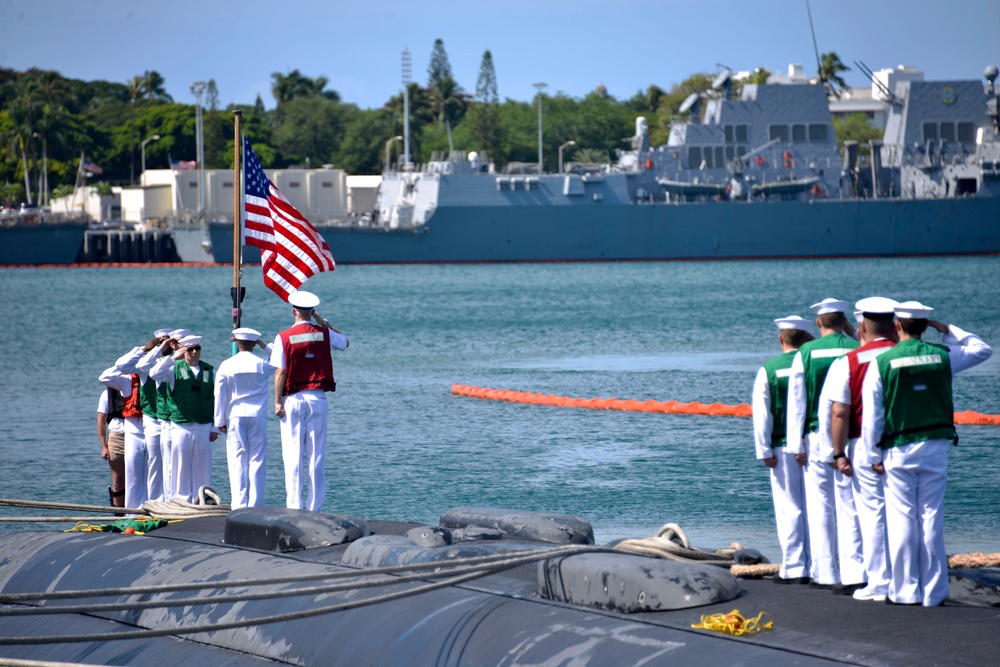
<point>195,348</point>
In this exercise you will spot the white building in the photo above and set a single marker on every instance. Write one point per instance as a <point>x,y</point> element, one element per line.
<point>319,194</point>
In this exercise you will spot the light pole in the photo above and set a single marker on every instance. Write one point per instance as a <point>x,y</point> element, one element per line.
<point>197,89</point>
<point>568,143</point>
<point>155,137</point>
<point>388,145</point>
<point>540,86</point>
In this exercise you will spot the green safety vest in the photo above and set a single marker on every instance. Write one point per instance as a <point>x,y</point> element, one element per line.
<point>916,387</point>
<point>817,357</point>
<point>192,400</point>
<point>147,397</point>
<point>778,370</point>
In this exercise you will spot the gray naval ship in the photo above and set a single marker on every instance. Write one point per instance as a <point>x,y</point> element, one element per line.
<point>758,176</point>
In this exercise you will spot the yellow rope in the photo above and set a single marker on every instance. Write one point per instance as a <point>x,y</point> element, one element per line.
<point>734,623</point>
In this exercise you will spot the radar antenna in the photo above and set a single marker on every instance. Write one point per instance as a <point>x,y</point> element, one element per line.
<point>882,88</point>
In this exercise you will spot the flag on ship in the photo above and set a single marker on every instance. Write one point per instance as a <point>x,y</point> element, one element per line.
<point>291,248</point>
<point>182,165</point>
<point>90,167</point>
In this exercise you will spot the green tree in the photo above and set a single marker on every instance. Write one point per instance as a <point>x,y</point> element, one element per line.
<point>154,87</point>
<point>485,112</point>
<point>287,87</point>
<point>855,127</point>
<point>212,95</point>
<point>312,129</point>
<point>448,100</point>
<point>439,68</point>
<point>830,68</point>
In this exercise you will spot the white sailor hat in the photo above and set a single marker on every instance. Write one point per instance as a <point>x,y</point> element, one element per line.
<point>912,310</point>
<point>301,299</point>
<point>245,333</point>
<point>792,322</point>
<point>830,306</point>
<point>859,316</point>
<point>188,341</point>
<point>177,334</point>
<point>160,333</point>
<point>877,305</point>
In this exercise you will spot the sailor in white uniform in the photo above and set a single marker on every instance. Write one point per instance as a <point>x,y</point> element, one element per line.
<point>241,386</point>
<point>860,492</point>
<point>303,359</point>
<point>145,365</point>
<point>191,400</point>
<point>909,416</point>
<point>142,475</point>
<point>769,402</point>
<point>809,370</point>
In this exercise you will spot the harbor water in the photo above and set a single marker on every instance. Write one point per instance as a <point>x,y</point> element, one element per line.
<point>402,447</point>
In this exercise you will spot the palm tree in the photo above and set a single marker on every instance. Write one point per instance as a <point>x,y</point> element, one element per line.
<point>154,87</point>
<point>287,87</point>
<point>448,100</point>
<point>136,87</point>
<point>24,110</point>
<point>830,68</point>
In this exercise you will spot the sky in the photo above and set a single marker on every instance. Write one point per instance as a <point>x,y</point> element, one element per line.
<point>571,45</point>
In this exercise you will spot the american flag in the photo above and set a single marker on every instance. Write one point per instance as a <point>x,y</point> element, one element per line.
<point>90,167</point>
<point>291,248</point>
<point>183,165</point>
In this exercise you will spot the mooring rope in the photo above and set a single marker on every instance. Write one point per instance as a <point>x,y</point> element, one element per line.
<point>671,543</point>
<point>208,503</point>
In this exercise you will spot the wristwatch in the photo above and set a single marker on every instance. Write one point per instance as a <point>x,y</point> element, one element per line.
<point>839,456</point>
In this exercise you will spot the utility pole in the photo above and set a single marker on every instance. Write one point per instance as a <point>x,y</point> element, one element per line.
<point>198,89</point>
<point>540,86</point>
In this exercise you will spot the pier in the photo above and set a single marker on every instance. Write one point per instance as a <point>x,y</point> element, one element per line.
<point>102,246</point>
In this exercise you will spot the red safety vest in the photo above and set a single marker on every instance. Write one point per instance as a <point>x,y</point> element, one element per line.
<point>858,363</point>
<point>308,361</point>
<point>132,407</point>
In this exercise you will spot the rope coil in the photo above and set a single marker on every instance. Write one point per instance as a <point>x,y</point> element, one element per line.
<point>671,543</point>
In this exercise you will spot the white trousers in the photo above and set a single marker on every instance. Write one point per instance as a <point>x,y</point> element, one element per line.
<point>135,469</point>
<point>821,516</point>
<point>246,452</point>
<point>790,514</point>
<point>850,558</point>
<point>191,459</point>
<point>915,479</point>
<point>165,456</point>
<point>869,498</point>
<point>154,464</point>
<point>303,433</point>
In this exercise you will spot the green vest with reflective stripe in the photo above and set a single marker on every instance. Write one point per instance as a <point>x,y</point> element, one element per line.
<point>778,369</point>
<point>916,386</point>
<point>817,357</point>
<point>192,400</point>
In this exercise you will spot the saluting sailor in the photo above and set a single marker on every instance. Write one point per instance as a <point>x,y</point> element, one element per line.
<point>304,363</point>
<point>909,415</point>
<point>770,392</point>
<point>864,507</point>
<point>142,473</point>
<point>809,370</point>
<point>191,401</point>
<point>241,385</point>
<point>162,409</point>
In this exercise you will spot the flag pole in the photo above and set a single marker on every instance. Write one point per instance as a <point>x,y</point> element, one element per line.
<point>238,291</point>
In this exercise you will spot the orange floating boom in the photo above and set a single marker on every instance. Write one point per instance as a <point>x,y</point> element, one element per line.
<point>632,405</point>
